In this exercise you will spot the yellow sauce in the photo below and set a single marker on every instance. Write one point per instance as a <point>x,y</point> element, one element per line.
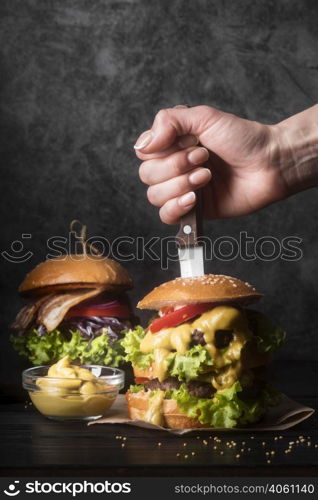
<point>71,391</point>
<point>154,414</point>
<point>226,362</point>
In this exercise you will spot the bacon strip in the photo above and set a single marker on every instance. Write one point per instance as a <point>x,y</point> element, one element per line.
<point>26,316</point>
<point>53,310</point>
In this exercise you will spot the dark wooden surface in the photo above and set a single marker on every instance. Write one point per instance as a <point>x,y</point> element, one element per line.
<point>34,446</point>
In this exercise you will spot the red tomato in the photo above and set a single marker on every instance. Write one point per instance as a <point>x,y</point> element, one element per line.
<point>141,380</point>
<point>112,309</point>
<point>178,316</point>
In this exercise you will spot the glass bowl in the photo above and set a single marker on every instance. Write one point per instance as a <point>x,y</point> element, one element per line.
<point>73,398</point>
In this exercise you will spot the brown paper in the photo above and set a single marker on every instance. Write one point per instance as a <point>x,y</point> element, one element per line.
<point>287,414</point>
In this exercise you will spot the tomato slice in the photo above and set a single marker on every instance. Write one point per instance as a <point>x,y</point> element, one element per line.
<point>113,309</point>
<point>141,380</point>
<point>178,316</point>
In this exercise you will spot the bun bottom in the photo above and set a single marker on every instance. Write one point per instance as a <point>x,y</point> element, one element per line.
<point>173,417</point>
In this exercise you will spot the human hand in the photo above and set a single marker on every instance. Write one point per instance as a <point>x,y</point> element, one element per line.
<point>242,166</point>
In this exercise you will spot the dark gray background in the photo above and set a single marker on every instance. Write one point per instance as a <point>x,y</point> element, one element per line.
<point>81,79</point>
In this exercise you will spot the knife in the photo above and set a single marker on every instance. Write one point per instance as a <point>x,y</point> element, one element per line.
<point>190,251</point>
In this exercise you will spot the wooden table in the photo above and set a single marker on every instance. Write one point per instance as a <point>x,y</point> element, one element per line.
<point>34,446</point>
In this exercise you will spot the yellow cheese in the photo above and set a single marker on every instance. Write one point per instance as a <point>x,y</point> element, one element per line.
<point>154,414</point>
<point>179,338</point>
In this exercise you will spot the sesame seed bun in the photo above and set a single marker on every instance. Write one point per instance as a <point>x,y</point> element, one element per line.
<point>70,272</point>
<point>209,288</point>
<point>173,417</point>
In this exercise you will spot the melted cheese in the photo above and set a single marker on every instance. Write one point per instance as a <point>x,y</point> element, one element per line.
<point>225,361</point>
<point>154,414</point>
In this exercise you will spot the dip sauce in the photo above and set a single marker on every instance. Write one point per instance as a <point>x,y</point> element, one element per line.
<point>70,391</point>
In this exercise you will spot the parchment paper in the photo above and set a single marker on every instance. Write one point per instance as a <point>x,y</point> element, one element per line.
<point>287,414</point>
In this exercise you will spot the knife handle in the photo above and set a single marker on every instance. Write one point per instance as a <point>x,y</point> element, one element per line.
<point>191,224</point>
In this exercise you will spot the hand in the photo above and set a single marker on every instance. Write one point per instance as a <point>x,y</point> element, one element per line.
<point>241,165</point>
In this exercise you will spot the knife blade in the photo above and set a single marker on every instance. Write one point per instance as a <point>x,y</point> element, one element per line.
<point>190,251</point>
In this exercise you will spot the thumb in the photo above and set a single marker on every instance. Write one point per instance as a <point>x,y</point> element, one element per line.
<point>171,123</point>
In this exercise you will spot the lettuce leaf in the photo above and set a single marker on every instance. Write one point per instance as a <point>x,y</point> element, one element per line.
<point>226,409</point>
<point>48,348</point>
<point>190,365</point>
<point>131,346</point>
<point>269,337</point>
<point>136,388</point>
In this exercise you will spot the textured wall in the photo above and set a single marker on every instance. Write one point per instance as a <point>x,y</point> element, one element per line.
<point>80,80</point>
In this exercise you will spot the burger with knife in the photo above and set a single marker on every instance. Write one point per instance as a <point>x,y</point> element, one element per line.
<point>76,306</point>
<point>202,361</point>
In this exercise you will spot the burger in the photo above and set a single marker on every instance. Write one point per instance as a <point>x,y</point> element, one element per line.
<point>202,360</point>
<point>76,306</point>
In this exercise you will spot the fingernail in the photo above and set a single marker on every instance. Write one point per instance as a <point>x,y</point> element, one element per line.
<point>187,141</point>
<point>187,199</point>
<point>198,155</point>
<point>181,106</point>
<point>200,176</point>
<point>144,140</point>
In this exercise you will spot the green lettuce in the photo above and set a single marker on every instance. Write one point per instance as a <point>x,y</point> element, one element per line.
<point>136,388</point>
<point>131,345</point>
<point>190,365</point>
<point>226,409</point>
<point>48,348</point>
<point>269,337</point>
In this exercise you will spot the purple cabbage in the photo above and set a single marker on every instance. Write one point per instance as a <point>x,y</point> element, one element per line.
<point>90,327</point>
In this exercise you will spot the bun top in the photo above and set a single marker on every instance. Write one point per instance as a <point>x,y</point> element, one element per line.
<point>70,272</point>
<point>208,288</point>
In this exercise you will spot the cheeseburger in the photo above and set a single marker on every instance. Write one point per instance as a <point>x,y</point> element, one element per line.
<point>202,361</point>
<point>76,306</point>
